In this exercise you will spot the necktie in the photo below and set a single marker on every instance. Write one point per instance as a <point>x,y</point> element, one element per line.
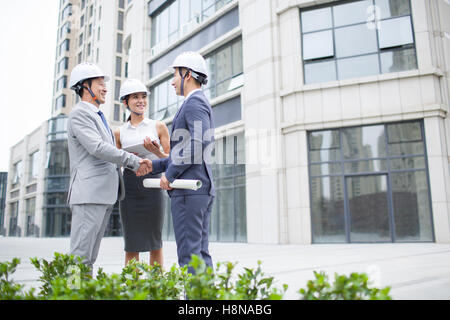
<point>104,122</point>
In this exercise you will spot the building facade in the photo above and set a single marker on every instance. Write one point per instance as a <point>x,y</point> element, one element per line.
<point>3,185</point>
<point>356,94</point>
<point>338,109</point>
<point>331,116</point>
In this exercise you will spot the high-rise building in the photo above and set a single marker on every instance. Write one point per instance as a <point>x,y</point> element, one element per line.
<point>88,30</point>
<point>331,117</point>
<point>3,185</point>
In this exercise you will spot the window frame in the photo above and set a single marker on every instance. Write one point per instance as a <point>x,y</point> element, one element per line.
<point>389,171</point>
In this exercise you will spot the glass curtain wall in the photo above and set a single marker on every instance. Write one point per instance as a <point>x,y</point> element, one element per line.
<point>3,187</point>
<point>57,175</point>
<point>370,184</point>
<point>228,218</point>
<point>225,74</point>
<point>179,18</point>
<point>31,228</point>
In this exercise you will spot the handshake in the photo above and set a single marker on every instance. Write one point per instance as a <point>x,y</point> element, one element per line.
<point>145,167</point>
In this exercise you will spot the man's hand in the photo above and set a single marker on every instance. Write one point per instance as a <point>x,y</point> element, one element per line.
<point>145,168</point>
<point>165,184</point>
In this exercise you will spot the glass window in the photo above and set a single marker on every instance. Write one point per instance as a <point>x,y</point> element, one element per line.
<point>116,112</point>
<point>60,102</point>
<point>351,13</point>
<point>34,166</point>
<point>327,209</point>
<point>120,21</point>
<point>224,64</point>
<point>318,45</point>
<point>393,8</point>
<point>326,169</point>
<point>320,71</point>
<point>340,36</point>
<point>208,8</point>
<point>184,13</point>
<point>326,155</point>
<point>163,23</point>
<point>364,142</point>
<point>324,140</point>
<point>382,199</point>
<point>117,90</point>
<point>118,66</point>
<point>411,202</point>
<point>398,60</point>
<point>237,58</point>
<point>156,30</point>
<point>365,166</point>
<point>408,163</point>
<point>17,173</point>
<point>395,32</point>
<point>228,219</point>
<point>173,21</point>
<point>178,18</point>
<point>316,20</point>
<point>61,83</point>
<point>355,40</point>
<point>119,43</point>
<point>404,132</point>
<point>368,208</point>
<point>358,66</point>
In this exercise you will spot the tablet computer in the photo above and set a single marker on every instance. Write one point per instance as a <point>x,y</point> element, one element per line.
<point>137,148</point>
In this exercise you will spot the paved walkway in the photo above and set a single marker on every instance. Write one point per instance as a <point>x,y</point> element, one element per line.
<point>414,271</point>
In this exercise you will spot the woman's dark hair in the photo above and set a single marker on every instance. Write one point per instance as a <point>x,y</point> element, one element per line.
<point>126,100</point>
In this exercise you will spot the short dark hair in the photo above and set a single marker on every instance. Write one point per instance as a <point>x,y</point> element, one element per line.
<point>79,89</point>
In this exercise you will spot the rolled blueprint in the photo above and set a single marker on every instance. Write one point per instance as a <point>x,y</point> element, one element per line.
<point>176,184</point>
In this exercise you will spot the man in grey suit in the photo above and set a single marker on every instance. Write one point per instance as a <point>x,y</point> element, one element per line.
<point>95,177</point>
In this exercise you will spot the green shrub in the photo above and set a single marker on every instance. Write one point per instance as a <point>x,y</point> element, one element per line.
<point>66,278</point>
<point>138,281</point>
<point>206,284</point>
<point>353,287</point>
<point>63,266</point>
<point>9,290</point>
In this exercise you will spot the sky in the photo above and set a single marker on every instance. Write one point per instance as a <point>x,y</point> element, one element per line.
<point>28,32</point>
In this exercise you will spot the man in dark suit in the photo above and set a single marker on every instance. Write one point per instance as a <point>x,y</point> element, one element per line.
<point>192,140</point>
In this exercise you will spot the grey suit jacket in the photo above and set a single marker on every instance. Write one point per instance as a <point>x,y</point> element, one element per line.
<point>95,175</point>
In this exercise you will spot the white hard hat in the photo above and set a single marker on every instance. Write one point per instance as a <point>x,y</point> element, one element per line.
<point>84,71</point>
<point>132,86</point>
<point>193,61</point>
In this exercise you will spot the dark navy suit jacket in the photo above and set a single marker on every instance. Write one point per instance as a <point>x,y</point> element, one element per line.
<point>191,145</point>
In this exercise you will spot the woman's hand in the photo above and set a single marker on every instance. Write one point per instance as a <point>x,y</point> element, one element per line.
<point>152,146</point>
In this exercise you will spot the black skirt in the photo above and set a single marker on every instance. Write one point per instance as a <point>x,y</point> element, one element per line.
<point>142,214</point>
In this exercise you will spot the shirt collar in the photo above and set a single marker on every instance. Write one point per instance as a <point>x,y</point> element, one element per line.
<point>191,93</point>
<point>146,121</point>
<point>91,106</point>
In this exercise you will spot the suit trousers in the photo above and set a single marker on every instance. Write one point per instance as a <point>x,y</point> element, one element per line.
<point>89,223</point>
<point>191,217</point>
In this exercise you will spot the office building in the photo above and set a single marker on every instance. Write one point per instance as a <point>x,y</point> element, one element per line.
<point>3,185</point>
<point>331,116</point>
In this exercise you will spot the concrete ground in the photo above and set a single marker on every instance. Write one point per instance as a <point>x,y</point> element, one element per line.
<point>414,271</point>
